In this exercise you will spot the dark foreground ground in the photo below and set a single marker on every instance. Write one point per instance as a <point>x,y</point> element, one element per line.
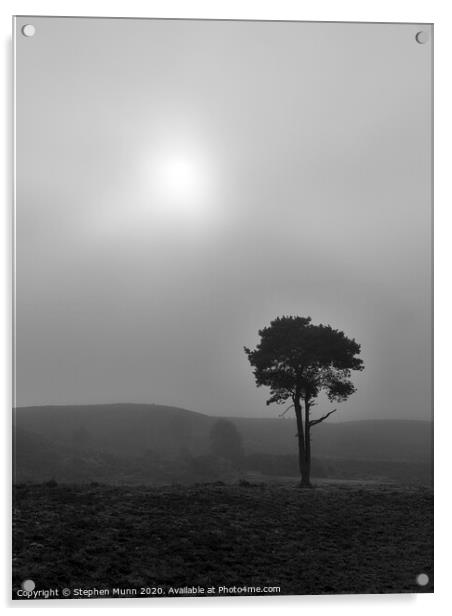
<point>337,538</point>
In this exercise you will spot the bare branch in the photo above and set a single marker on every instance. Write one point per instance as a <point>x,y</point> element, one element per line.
<point>314,422</point>
<point>285,411</point>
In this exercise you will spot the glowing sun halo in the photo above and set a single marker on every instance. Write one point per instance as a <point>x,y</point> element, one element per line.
<point>180,183</point>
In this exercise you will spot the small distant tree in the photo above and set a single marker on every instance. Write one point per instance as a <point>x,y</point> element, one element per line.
<point>297,361</point>
<point>225,441</point>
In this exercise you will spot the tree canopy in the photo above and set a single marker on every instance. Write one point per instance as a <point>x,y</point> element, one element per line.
<point>295,356</point>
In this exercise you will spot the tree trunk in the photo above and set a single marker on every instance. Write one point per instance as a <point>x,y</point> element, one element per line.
<point>304,470</point>
<point>306,479</point>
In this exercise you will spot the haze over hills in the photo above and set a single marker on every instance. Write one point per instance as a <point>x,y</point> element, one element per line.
<point>133,429</point>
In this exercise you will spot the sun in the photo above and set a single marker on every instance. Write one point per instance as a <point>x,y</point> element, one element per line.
<point>180,182</point>
<point>181,178</point>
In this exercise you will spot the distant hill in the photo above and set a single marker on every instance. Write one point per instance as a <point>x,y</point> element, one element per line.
<point>386,440</point>
<point>122,429</point>
<point>132,429</point>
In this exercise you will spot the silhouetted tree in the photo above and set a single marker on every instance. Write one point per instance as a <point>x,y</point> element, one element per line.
<point>225,441</point>
<point>297,361</point>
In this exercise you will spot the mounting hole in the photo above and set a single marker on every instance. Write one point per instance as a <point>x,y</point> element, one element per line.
<point>422,37</point>
<point>28,30</point>
<point>28,585</point>
<point>422,579</point>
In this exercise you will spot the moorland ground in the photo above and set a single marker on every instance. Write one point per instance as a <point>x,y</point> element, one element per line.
<point>341,537</point>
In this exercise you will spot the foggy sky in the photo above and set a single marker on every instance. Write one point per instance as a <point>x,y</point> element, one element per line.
<point>312,150</point>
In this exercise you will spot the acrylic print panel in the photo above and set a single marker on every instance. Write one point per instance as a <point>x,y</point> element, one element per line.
<point>223,308</point>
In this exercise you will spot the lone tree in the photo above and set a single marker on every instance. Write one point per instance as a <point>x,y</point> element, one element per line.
<point>225,441</point>
<point>299,360</point>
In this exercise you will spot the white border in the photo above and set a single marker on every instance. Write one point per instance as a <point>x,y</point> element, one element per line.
<point>436,11</point>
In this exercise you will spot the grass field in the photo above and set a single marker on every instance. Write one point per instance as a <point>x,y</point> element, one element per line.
<point>341,537</point>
